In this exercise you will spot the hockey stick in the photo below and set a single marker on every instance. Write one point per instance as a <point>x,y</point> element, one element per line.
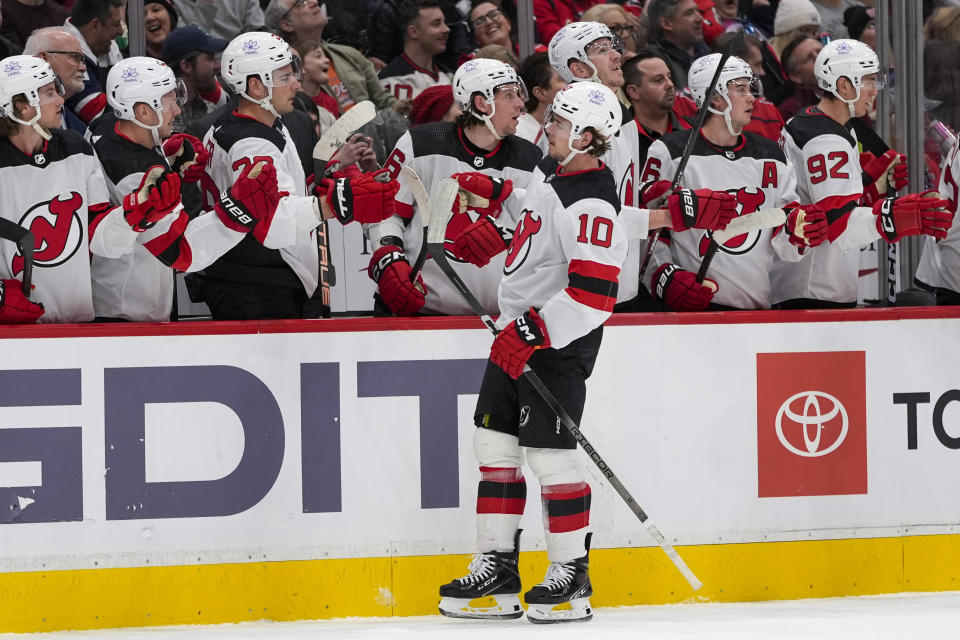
<point>442,204</point>
<point>736,44</point>
<point>338,133</point>
<point>423,204</point>
<point>24,241</point>
<point>762,219</point>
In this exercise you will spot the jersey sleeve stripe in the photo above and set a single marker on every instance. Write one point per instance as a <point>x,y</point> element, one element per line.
<point>590,269</point>
<point>172,248</point>
<point>91,107</point>
<point>95,215</point>
<point>838,210</point>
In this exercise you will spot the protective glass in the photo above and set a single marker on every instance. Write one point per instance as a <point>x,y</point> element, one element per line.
<point>283,78</point>
<point>511,91</point>
<point>50,92</point>
<point>479,21</point>
<point>559,125</point>
<point>745,86</point>
<point>873,81</point>
<point>603,46</point>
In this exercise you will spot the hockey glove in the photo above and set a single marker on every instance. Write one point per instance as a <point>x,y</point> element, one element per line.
<point>16,308</point>
<point>653,193</point>
<point>889,169</point>
<point>806,226</point>
<point>367,198</point>
<point>479,242</point>
<point>391,271</point>
<point>480,192</point>
<point>679,291</point>
<point>701,209</point>
<point>157,195</point>
<point>912,215</point>
<point>252,198</point>
<point>186,155</point>
<point>514,345</point>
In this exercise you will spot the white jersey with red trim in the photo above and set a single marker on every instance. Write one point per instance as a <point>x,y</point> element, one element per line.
<point>404,79</point>
<point>826,158</point>
<point>436,151</point>
<point>237,141</point>
<point>56,194</point>
<point>940,262</point>
<point>756,172</point>
<point>531,130</point>
<point>566,253</point>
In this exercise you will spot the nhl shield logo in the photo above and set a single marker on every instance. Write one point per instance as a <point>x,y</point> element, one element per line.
<point>478,161</point>
<point>39,158</point>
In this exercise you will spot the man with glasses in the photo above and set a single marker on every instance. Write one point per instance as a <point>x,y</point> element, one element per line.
<point>63,52</point>
<point>96,24</point>
<point>489,25</point>
<point>857,190</point>
<point>425,34</point>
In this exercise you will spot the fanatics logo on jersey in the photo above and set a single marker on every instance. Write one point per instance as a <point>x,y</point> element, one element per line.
<point>811,424</point>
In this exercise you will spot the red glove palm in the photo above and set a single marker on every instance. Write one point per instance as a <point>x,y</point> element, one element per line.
<point>391,271</point>
<point>514,345</point>
<point>701,209</point>
<point>479,242</point>
<point>157,195</point>
<point>807,226</point>
<point>186,155</point>
<point>482,193</point>
<point>252,198</point>
<point>889,169</point>
<point>16,308</point>
<point>367,198</point>
<point>678,289</point>
<point>912,215</point>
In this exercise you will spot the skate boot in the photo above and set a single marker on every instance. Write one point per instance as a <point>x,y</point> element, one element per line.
<point>493,575</point>
<point>564,594</point>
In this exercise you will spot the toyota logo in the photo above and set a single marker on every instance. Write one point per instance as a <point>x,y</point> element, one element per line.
<point>812,422</point>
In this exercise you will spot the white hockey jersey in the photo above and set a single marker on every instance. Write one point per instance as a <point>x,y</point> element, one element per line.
<point>435,151</point>
<point>756,172</point>
<point>566,253</point>
<point>531,130</point>
<point>288,242</point>
<point>940,262</point>
<point>826,158</point>
<point>404,79</point>
<point>56,194</point>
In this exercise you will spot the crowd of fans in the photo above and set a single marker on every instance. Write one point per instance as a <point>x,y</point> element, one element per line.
<point>402,54</point>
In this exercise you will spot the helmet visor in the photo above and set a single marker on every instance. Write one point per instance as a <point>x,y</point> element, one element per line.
<point>556,123</point>
<point>873,81</point>
<point>603,46</point>
<point>282,77</point>
<point>50,91</point>
<point>746,85</point>
<point>512,90</point>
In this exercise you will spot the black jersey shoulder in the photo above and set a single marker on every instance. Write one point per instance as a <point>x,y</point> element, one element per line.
<point>811,122</point>
<point>399,66</point>
<point>231,128</point>
<point>750,145</point>
<point>63,144</point>
<point>756,146</point>
<point>446,138</point>
<point>120,157</point>
<point>570,189</point>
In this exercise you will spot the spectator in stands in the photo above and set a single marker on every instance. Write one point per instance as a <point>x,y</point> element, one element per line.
<point>425,33</point>
<point>798,60</point>
<point>551,15</point>
<point>676,29</point>
<point>765,119</point>
<point>316,77</point>
<point>23,17</point>
<point>95,23</point>
<point>159,19</point>
<point>793,18</point>
<point>489,25</point>
<point>651,92</point>
<point>221,18</point>
<point>861,24</point>
<point>7,48</point>
<point>349,24</point>
<point>194,57</point>
<point>352,77</point>
<point>944,24</point>
<point>621,23</point>
<point>831,16</point>
<point>497,52</point>
<point>387,41</point>
<point>63,53</point>
<point>542,83</point>
<point>434,105</point>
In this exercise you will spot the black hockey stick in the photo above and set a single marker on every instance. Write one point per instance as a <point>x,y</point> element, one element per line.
<point>736,44</point>
<point>441,202</point>
<point>24,241</point>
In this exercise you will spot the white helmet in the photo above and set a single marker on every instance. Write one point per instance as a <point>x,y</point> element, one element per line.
<point>585,104</point>
<point>849,59</point>
<point>256,53</point>
<point>142,79</point>
<point>25,75</point>
<point>484,76</point>
<point>701,74</point>
<point>570,43</point>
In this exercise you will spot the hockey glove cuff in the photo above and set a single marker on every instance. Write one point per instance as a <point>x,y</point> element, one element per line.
<point>482,193</point>
<point>914,214</point>
<point>367,198</point>
<point>653,193</point>
<point>679,291</point>
<point>514,345</point>
<point>252,199</point>
<point>701,209</point>
<point>391,271</point>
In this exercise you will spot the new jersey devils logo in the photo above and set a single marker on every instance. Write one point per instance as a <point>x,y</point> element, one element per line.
<point>57,231</point>
<point>750,200</point>
<point>522,240</point>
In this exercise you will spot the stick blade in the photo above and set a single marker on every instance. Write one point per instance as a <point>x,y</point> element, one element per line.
<point>441,209</point>
<point>420,195</point>
<point>338,133</point>
<point>762,219</point>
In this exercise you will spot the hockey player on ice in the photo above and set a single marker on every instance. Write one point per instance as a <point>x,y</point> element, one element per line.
<point>822,147</point>
<point>559,287</point>
<point>492,165</point>
<point>746,165</point>
<point>138,285</point>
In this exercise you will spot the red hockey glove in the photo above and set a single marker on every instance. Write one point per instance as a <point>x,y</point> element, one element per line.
<point>678,289</point>
<point>391,271</point>
<point>481,193</point>
<point>16,308</point>
<point>252,198</point>
<point>368,198</point>
<point>186,155</point>
<point>514,345</point>
<point>157,195</point>
<point>479,242</point>
<point>807,226</point>
<point>912,215</point>
<point>701,209</point>
<point>890,168</point>
<point>653,193</point>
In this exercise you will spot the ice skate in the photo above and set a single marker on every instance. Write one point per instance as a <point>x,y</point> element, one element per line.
<point>493,576</point>
<point>564,594</point>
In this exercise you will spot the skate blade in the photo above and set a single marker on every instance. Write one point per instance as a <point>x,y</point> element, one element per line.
<point>578,610</point>
<point>503,607</point>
